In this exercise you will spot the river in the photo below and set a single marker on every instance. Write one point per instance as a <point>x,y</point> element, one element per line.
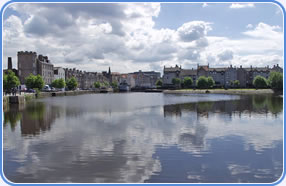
<point>145,137</point>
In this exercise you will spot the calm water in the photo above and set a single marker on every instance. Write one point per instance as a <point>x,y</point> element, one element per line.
<point>145,137</point>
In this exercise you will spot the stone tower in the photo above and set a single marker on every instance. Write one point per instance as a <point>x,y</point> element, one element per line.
<point>10,63</point>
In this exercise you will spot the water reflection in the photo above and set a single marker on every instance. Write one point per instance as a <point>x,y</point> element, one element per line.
<point>260,105</point>
<point>167,139</point>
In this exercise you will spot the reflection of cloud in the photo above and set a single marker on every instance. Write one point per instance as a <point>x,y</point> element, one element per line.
<point>119,146</point>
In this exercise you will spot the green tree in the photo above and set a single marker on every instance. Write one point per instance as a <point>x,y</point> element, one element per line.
<point>260,82</point>
<point>275,80</point>
<point>39,82</point>
<point>10,80</point>
<point>188,82</point>
<point>59,83</point>
<point>71,83</point>
<point>211,82</point>
<point>159,83</point>
<point>97,84</point>
<point>236,83</point>
<point>202,82</point>
<point>114,84</point>
<point>176,82</point>
<point>34,82</point>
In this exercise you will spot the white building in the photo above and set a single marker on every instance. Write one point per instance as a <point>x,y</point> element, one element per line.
<point>59,73</point>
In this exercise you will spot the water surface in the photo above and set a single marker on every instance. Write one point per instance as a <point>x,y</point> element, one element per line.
<point>145,137</point>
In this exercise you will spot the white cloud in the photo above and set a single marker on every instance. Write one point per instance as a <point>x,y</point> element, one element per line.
<point>127,40</point>
<point>241,5</point>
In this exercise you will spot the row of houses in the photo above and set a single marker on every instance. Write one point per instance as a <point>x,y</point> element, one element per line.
<point>223,77</point>
<point>31,63</point>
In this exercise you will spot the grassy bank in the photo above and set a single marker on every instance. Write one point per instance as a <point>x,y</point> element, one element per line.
<point>220,91</point>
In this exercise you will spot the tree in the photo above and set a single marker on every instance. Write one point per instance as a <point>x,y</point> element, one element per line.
<point>71,83</point>
<point>236,83</point>
<point>211,82</point>
<point>202,82</point>
<point>159,83</point>
<point>97,84</point>
<point>114,84</point>
<point>59,83</point>
<point>39,82</point>
<point>34,82</point>
<point>260,82</point>
<point>10,80</point>
<point>176,82</point>
<point>188,82</point>
<point>275,80</point>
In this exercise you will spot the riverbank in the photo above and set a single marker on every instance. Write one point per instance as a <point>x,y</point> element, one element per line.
<point>220,91</point>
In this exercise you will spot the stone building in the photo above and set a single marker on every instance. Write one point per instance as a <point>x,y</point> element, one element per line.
<point>30,63</point>
<point>223,77</point>
<point>84,79</point>
<point>169,74</point>
<point>45,69</point>
<point>146,79</point>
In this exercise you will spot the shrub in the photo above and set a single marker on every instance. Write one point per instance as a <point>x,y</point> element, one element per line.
<point>260,82</point>
<point>275,80</point>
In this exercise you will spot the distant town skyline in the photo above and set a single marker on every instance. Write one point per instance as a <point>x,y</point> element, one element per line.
<point>145,36</point>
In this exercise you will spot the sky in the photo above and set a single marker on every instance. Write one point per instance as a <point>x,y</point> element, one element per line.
<point>145,36</point>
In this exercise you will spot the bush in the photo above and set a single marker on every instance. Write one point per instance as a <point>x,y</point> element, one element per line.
<point>202,82</point>
<point>97,84</point>
<point>10,80</point>
<point>211,82</point>
<point>34,82</point>
<point>159,83</point>
<point>71,83</point>
<point>176,81</point>
<point>275,80</point>
<point>205,82</point>
<point>260,82</point>
<point>59,83</point>
<point>188,82</point>
<point>236,83</point>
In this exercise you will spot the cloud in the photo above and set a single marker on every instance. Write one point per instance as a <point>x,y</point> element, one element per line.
<point>241,5</point>
<point>94,36</point>
<point>193,30</point>
<point>226,55</point>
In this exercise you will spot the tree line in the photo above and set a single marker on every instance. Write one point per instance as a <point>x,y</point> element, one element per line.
<point>274,81</point>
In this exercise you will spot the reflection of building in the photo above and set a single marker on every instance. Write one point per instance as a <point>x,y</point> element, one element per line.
<point>30,63</point>
<point>38,118</point>
<point>222,76</point>
<point>250,104</point>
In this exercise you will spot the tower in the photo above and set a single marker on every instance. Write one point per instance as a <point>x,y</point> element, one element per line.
<point>10,63</point>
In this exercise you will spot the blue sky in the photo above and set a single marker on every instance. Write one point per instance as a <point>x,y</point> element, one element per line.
<point>146,36</point>
<point>227,22</point>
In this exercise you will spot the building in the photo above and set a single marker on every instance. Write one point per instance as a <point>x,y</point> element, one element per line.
<point>45,69</point>
<point>59,73</point>
<point>85,79</point>
<point>169,74</point>
<point>223,77</point>
<point>30,63</point>
<point>146,79</point>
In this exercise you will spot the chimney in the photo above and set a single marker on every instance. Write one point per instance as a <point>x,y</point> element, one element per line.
<point>10,63</point>
<point>240,66</point>
<point>277,65</point>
